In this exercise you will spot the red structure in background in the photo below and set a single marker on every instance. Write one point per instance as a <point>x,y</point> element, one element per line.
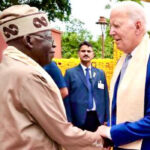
<point>57,38</point>
<point>3,44</point>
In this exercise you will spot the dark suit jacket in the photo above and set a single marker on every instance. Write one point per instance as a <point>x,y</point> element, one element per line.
<point>131,131</point>
<point>76,103</point>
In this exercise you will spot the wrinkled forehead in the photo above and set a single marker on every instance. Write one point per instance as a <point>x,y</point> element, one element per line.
<point>118,15</point>
<point>120,12</point>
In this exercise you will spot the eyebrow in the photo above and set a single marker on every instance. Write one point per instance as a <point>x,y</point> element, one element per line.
<point>86,50</point>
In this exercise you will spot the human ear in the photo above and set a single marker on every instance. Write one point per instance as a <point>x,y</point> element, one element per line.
<point>27,40</point>
<point>138,26</point>
<point>93,54</point>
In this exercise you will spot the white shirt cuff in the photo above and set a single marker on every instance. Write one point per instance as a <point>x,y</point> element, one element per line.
<point>108,133</point>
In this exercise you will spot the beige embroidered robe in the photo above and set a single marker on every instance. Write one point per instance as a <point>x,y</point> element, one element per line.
<point>32,115</point>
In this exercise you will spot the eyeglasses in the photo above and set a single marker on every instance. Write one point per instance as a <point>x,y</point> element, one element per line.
<point>47,39</point>
<point>88,51</point>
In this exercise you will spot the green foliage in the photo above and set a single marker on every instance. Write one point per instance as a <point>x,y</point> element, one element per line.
<point>72,37</point>
<point>107,6</point>
<point>108,44</point>
<point>76,33</point>
<point>60,9</point>
<point>138,1</point>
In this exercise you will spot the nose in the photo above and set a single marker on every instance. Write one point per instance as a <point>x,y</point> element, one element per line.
<point>112,31</point>
<point>53,50</point>
<point>86,52</point>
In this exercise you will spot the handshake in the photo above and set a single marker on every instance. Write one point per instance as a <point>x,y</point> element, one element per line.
<point>103,135</point>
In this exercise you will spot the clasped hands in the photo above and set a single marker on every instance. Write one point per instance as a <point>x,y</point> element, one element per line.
<point>104,133</point>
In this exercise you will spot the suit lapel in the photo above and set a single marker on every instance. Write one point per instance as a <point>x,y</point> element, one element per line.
<point>94,75</point>
<point>81,74</point>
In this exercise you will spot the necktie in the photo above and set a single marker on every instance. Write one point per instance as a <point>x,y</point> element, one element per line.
<point>124,66</point>
<point>89,84</point>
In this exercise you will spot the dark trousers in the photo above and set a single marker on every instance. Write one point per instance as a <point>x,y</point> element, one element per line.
<point>91,122</point>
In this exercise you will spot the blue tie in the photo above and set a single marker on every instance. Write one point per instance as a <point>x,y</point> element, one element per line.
<point>89,84</point>
<point>124,66</point>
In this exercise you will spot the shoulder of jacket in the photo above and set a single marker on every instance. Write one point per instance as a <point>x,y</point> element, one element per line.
<point>72,69</point>
<point>99,70</point>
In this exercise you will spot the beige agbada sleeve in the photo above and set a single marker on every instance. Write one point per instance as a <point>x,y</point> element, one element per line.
<point>42,100</point>
<point>44,104</point>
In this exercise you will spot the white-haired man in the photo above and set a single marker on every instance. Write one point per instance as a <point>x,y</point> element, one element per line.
<point>130,85</point>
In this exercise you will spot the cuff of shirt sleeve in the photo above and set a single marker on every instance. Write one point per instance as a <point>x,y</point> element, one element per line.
<point>108,133</point>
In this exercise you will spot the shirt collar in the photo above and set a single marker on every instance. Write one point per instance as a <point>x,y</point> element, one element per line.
<point>84,67</point>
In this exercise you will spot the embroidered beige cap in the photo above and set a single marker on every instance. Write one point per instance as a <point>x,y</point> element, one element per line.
<point>19,20</point>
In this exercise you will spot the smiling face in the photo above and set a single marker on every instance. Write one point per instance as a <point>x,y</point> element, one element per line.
<point>43,47</point>
<point>124,30</point>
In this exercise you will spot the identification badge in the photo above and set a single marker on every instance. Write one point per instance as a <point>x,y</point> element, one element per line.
<point>100,85</point>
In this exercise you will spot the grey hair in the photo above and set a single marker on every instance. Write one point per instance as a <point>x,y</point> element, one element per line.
<point>134,10</point>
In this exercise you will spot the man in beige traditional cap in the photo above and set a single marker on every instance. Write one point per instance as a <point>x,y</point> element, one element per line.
<point>31,109</point>
<point>130,85</point>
